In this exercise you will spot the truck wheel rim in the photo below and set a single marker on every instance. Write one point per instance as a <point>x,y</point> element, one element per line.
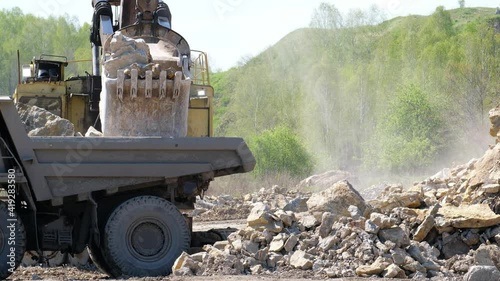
<point>148,240</point>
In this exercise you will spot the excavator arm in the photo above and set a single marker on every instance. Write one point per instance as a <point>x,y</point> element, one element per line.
<point>150,20</point>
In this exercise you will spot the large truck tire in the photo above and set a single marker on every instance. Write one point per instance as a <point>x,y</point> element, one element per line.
<point>12,241</point>
<point>95,251</point>
<point>143,237</point>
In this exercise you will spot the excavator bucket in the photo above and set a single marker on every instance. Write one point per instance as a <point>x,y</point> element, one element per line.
<point>146,80</point>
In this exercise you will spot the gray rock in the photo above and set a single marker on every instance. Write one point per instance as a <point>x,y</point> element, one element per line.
<point>183,271</point>
<point>431,266</point>
<point>453,245</point>
<point>327,221</point>
<point>221,245</point>
<point>262,254</point>
<point>92,132</point>
<point>126,52</point>
<point>199,257</point>
<point>40,122</point>
<point>327,243</point>
<point>319,265</point>
<point>237,244</point>
<point>374,269</point>
<point>382,221</point>
<point>471,237</point>
<point>424,228</point>
<point>396,235</point>
<point>250,247</point>
<point>185,265</point>
<point>278,243</point>
<point>290,243</point>
<point>273,259</point>
<point>371,227</point>
<point>487,255</point>
<point>301,260</point>
<point>337,200</point>
<point>297,205</point>
<point>399,256</point>
<point>416,253</point>
<point>256,269</point>
<point>307,220</point>
<point>355,212</point>
<point>259,215</point>
<point>286,218</point>
<point>491,188</point>
<point>482,273</point>
<point>393,271</point>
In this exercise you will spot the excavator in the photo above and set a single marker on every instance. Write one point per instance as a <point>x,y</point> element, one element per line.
<point>146,82</point>
<point>43,82</point>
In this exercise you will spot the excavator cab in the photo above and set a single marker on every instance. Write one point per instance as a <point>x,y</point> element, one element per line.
<point>45,68</point>
<point>43,84</point>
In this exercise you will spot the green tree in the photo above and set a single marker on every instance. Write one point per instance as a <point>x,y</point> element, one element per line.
<point>280,151</point>
<point>411,134</point>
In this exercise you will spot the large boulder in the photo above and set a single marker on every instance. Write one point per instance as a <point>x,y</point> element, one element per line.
<point>482,273</point>
<point>126,52</point>
<point>326,179</point>
<point>467,216</point>
<point>337,200</point>
<point>487,170</point>
<point>40,122</point>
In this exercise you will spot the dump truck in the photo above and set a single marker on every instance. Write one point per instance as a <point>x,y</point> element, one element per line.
<point>123,197</point>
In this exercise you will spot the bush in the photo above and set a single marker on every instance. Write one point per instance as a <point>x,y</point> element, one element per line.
<point>411,135</point>
<point>280,151</point>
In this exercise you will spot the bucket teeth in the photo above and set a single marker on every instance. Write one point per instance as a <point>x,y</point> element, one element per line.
<point>177,85</point>
<point>149,84</point>
<point>120,84</point>
<point>163,84</point>
<point>134,79</point>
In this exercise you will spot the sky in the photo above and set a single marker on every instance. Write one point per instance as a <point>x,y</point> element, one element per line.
<point>229,30</point>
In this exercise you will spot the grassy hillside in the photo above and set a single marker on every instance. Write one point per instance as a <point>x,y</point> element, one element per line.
<point>401,96</point>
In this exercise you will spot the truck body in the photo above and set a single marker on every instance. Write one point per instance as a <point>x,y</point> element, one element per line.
<point>70,190</point>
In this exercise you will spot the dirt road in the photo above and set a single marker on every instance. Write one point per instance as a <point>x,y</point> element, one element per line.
<point>65,274</point>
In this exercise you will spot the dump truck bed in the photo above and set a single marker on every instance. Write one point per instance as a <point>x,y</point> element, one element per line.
<point>57,167</point>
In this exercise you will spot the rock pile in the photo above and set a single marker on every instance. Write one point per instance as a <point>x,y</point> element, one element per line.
<point>127,54</point>
<point>40,122</point>
<point>227,207</point>
<point>447,226</point>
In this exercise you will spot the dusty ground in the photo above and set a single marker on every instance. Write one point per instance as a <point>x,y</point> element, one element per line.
<point>72,274</point>
<point>207,225</point>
